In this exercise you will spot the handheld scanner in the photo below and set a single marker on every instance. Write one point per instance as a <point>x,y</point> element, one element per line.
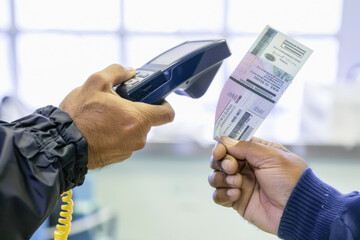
<point>187,69</point>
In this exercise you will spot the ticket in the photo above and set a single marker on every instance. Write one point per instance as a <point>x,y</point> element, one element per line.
<point>257,84</point>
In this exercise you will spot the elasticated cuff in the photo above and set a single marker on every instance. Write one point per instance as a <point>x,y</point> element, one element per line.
<point>311,209</point>
<point>69,150</point>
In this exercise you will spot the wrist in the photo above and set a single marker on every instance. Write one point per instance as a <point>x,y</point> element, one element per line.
<point>74,165</point>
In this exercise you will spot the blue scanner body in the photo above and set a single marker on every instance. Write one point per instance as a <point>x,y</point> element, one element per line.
<point>186,69</point>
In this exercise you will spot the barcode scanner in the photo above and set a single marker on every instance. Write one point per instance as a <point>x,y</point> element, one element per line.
<point>187,69</point>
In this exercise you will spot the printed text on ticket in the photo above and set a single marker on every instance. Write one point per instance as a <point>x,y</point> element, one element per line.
<point>257,84</point>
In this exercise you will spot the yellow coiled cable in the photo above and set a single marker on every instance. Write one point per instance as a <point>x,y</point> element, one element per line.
<point>63,228</point>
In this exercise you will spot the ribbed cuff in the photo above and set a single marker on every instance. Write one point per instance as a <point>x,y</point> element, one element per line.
<point>72,150</point>
<point>311,209</point>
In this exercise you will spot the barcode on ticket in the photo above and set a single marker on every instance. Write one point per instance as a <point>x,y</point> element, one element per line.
<point>264,42</point>
<point>243,120</point>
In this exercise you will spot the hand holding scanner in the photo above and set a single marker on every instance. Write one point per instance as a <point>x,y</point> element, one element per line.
<point>187,69</point>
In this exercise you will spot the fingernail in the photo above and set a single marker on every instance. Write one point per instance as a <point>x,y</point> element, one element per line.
<point>225,165</point>
<point>231,192</point>
<point>231,180</point>
<point>228,141</point>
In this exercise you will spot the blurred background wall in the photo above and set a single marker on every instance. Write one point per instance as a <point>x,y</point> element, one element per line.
<point>49,47</point>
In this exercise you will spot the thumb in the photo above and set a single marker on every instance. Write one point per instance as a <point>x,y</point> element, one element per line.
<point>234,147</point>
<point>117,74</point>
<point>111,76</point>
<point>269,144</point>
<point>251,151</point>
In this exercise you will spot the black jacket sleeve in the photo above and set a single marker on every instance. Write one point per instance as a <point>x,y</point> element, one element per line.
<point>41,156</point>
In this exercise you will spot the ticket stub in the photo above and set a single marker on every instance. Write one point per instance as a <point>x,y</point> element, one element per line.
<point>257,84</point>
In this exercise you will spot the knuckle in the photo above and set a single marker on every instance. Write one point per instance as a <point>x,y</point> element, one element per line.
<point>217,197</point>
<point>211,179</point>
<point>252,144</point>
<point>97,77</point>
<point>218,179</point>
<point>170,116</point>
<point>118,70</point>
<point>96,81</point>
<point>139,143</point>
<point>137,130</point>
<point>142,127</point>
<point>117,67</point>
<point>214,164</point>
<point>135,122</point>
<point>143,117</point>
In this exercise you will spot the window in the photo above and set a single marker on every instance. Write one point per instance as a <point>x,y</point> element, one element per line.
<point>63,62</point>
<point>6,84</point>
<point>172,17</point>
<point>4,14</point>
<point>79,15</point>
<point>302,18</point>
<point>48,47</point>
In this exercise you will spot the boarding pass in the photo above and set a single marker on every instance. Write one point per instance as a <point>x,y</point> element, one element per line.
<point>257,84</point>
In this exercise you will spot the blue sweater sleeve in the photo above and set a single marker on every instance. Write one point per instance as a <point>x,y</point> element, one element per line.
<point>316,210</point>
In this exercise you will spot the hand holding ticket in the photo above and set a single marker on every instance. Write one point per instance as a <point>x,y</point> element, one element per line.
<point>257,83</point>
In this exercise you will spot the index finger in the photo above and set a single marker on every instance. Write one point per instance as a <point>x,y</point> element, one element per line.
<point>158,114</point>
